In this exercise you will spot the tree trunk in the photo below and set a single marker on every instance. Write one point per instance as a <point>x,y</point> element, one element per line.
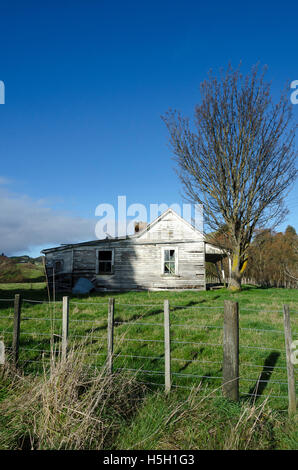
<point>235,281</point>
<point>238,267</point>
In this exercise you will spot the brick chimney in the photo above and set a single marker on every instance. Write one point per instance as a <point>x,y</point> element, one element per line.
<point>140,226</point>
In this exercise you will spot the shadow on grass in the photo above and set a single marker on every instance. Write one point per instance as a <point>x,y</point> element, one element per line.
<point>258,388</point>
<point>137,316</point>
<point>38,293</point>
<point>194,357</point>
<point>192,303</point>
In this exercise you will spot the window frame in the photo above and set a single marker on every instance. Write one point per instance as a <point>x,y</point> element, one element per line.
<point>164,249</point>
<point>97,262</point>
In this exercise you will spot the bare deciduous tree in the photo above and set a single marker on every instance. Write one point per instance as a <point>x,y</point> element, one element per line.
<point>238,160</point>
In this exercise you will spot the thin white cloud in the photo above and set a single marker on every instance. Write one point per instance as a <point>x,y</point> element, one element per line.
<point>4,181</point>
<point>26,223</point>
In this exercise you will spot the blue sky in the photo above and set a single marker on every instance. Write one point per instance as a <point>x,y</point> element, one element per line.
<point>86,83</point>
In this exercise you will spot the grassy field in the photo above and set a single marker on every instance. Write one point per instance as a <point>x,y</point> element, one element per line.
<point>196,352</point>
<point>21,269</point>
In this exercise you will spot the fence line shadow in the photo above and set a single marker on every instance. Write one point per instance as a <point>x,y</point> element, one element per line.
<point>268,368</point>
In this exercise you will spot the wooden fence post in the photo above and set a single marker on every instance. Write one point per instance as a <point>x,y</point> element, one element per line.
<point>167,346</point>
<point>111,309</point>
<point>231,350</point>
<point>65,324</point>
<point>16,329</point>
<point>290,365</point>
<point>2,353</point>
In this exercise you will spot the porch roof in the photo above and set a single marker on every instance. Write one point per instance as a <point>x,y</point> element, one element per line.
<point>214,253</point>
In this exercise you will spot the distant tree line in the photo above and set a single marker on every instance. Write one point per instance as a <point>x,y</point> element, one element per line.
<point>272,258</point>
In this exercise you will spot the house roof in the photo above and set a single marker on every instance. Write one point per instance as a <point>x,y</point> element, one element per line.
<point>162,216</point>
<point>210,249</point>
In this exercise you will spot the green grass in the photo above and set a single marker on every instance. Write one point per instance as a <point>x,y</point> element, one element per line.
<point>196,333</point>
<point>196,325</point>
<point>15,270</point>
<point>197,423</point>
<point>74,408</point>
<point>31,271</point>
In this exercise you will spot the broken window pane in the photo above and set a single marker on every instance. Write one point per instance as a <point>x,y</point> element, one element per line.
<point>169,262</point>
<point>169,268</point>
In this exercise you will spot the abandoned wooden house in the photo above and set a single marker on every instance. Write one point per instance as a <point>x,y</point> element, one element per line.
<point>168,253</point>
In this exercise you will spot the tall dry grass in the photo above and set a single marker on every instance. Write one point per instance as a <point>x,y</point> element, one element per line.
<point>71,406</point>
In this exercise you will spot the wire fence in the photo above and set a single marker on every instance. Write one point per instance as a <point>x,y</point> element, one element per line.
<point>138,342</point>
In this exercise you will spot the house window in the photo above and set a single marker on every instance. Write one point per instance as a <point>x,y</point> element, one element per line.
<point>169,261</point>
<point>105,261</point>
